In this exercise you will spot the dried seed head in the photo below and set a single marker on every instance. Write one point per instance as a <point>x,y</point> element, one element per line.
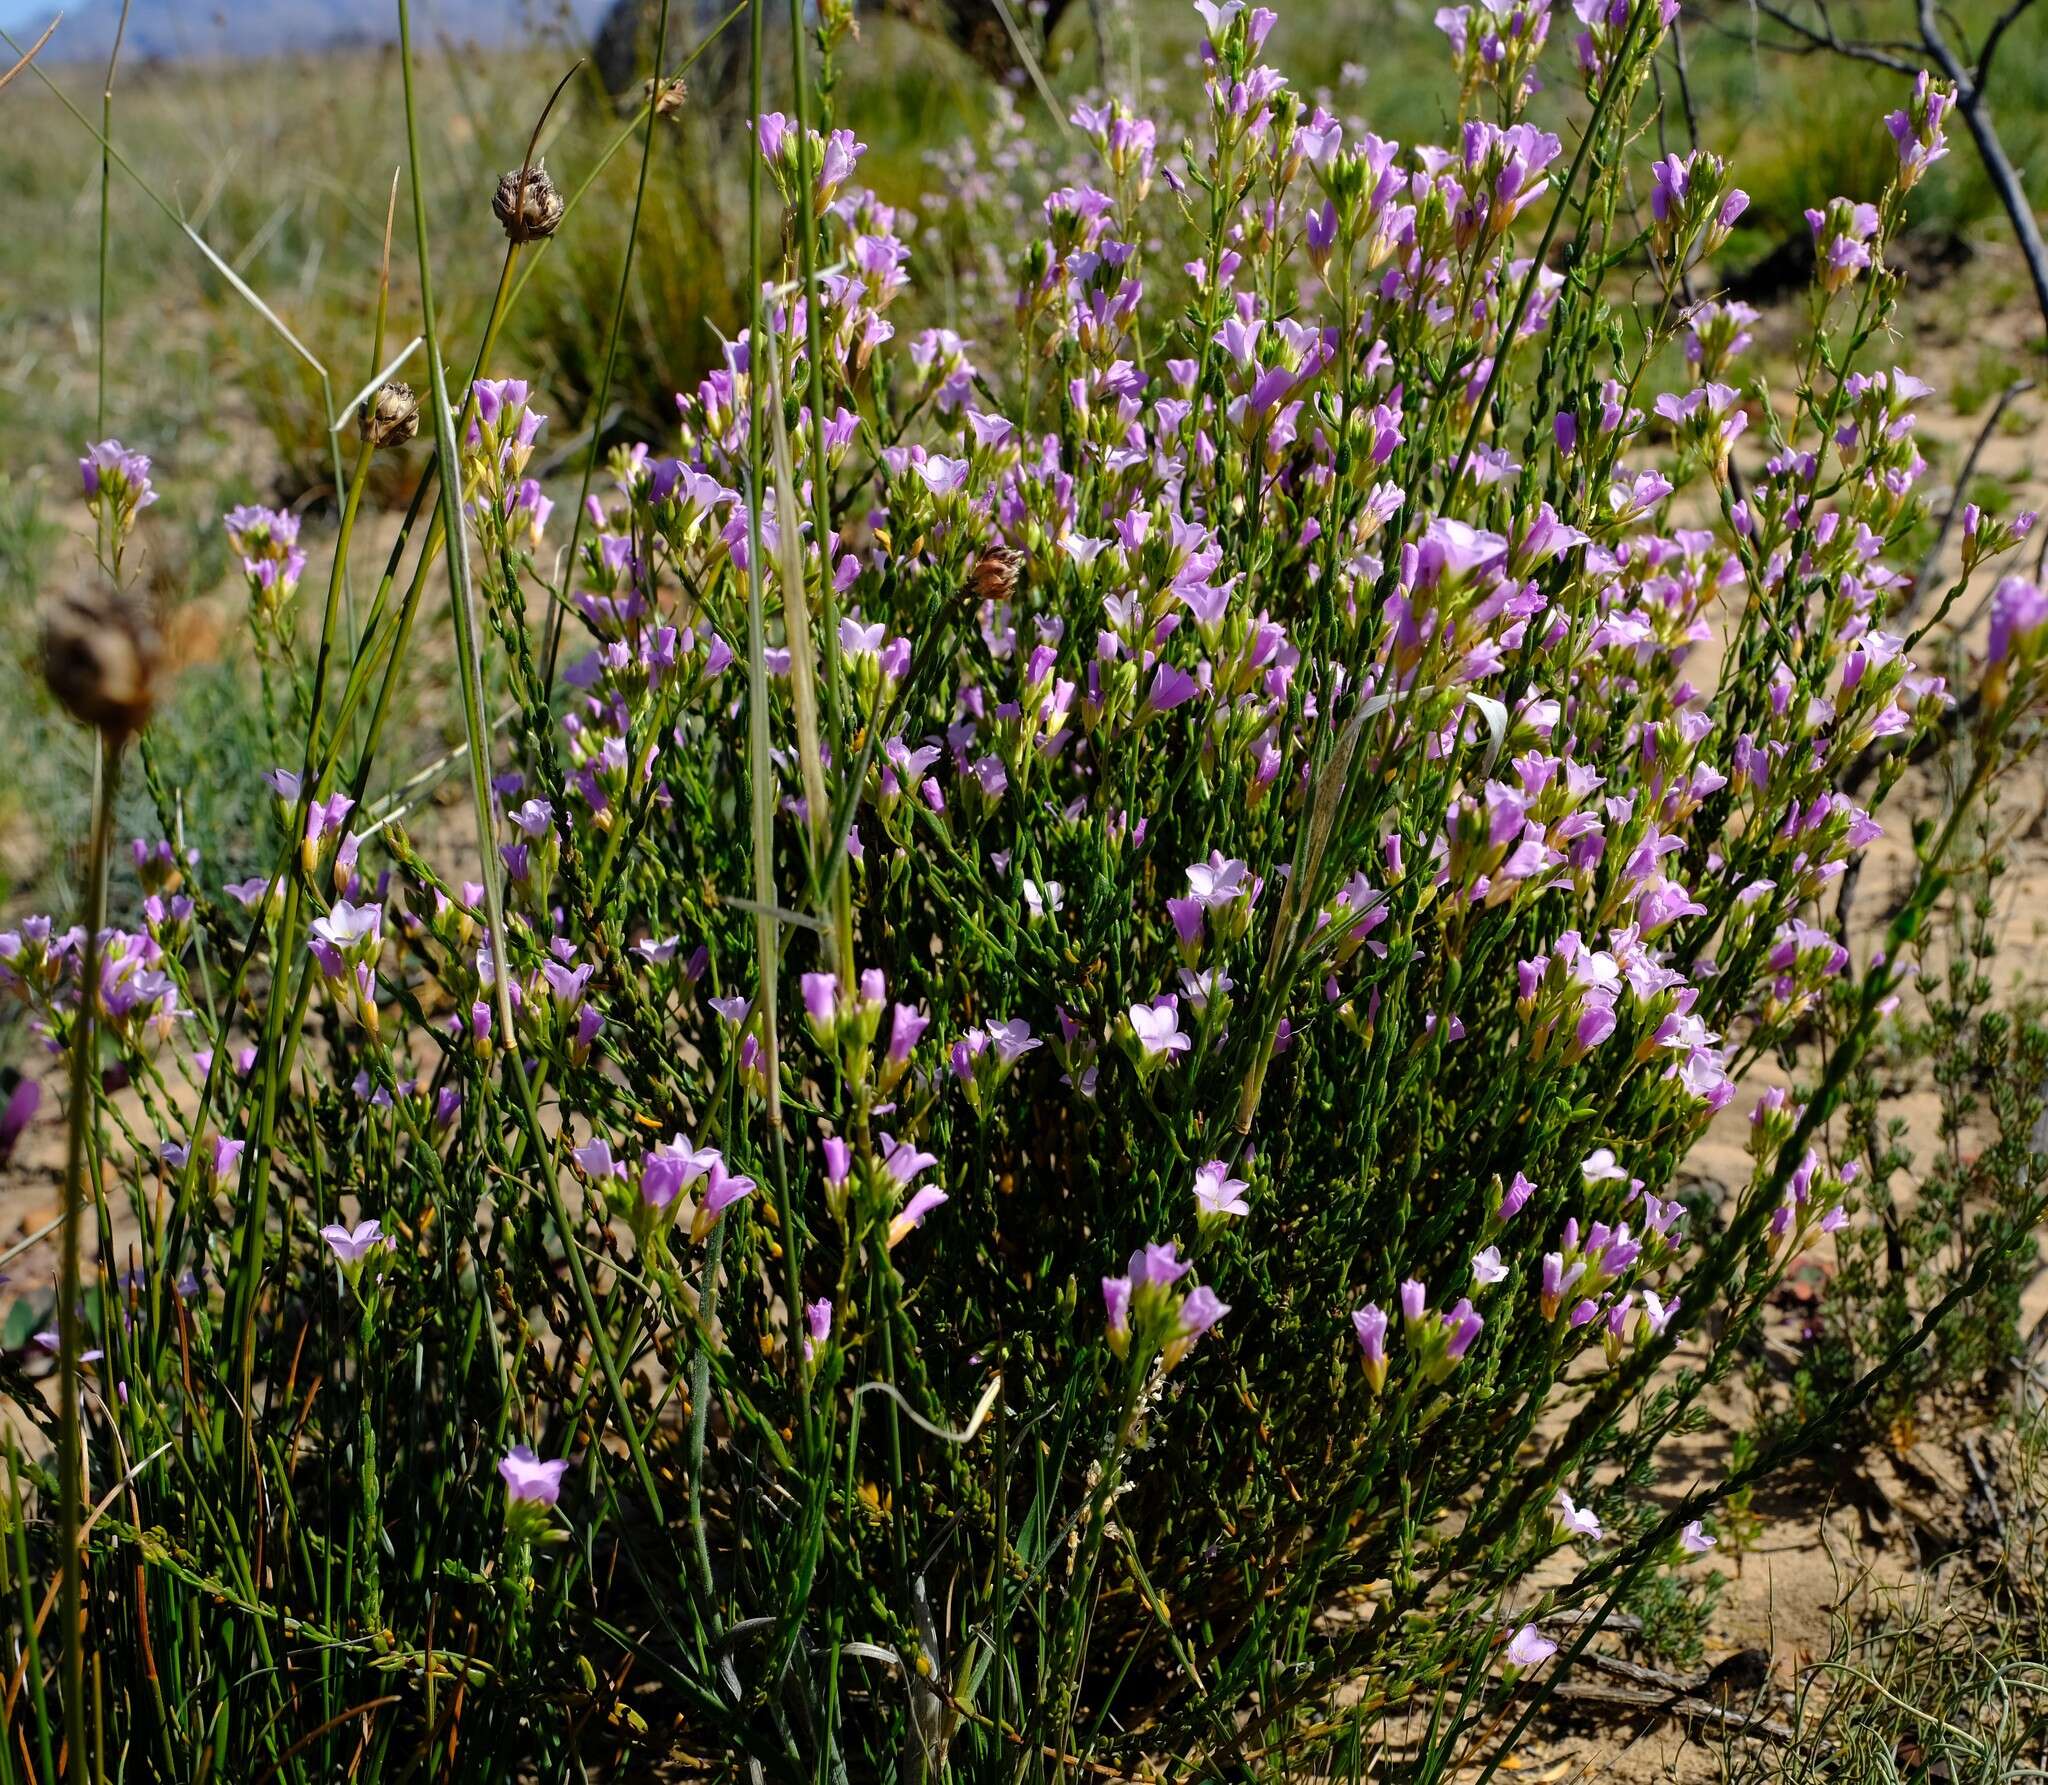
<point>527,204</point>
<point>391,417</point>
<point>101,656</point>
<point>993,574</point>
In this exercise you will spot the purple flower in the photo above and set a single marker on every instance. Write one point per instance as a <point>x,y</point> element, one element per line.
<point>821,998</point>
<point>1187,923</point>
<point>1578,1520</point>
<point>1200,1309</point>
<point>1171,687</point>
<point>1157,1265</point>
<point>671,1168</point>
<point>1599,1166</point>
<point>1694,1539</point>
<point>941,475</point>
<point>349,931</point>
<point>1370,1324</point>
<point>1414,1301</point>
<point>1918,130</point>
<point>1218,1193</point>
<point>1012,1039</point>
<point>353,1244</point>
<point>1513,1198</point>
<point>20,1111</point>
<point>529,1480</point>
<point>1529,1647</point>
<point>906,1024</point>
<point>2019,616</point>
<point>1116,1302</point>
<point>722,1188</point>
<point>1487,1267</point>
<point>110,473</point>
<point>1157,1027</point>
<point>594,1160</point>
<point>1218,880</point>
<point>817,1325</point>
<point>902,1161</point>
<point>1461,1326</point>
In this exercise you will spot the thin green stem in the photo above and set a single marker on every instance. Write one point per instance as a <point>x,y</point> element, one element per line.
<point>462,600</point>
<point>602,401</point>
<point>70,1322</point>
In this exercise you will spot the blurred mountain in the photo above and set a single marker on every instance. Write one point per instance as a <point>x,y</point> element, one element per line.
<point>175,29</point>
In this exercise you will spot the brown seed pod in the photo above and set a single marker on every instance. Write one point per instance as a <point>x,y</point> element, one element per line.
<point>527,204</point>
<point>391,417</point>
<point>101,657</point>
<point>993,574</point>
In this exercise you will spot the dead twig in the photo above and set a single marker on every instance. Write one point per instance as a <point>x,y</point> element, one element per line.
<point>1683,1706</point>
<point>1982,1477</point>
<point>33,50</point>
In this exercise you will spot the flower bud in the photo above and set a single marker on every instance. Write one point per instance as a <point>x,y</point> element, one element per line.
<point>527,204</point>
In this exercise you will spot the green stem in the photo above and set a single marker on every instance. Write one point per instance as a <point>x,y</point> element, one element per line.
<point>462,601</point>
<point>611,353</point>
<point>84,1104</point>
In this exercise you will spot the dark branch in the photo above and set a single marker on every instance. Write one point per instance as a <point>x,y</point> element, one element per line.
<point>1992,38</point>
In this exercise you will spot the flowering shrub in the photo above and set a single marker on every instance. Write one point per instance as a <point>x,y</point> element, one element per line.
<point>1045,1124</point>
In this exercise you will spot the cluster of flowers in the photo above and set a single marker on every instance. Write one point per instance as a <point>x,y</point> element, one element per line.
<point>1293,679</point>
